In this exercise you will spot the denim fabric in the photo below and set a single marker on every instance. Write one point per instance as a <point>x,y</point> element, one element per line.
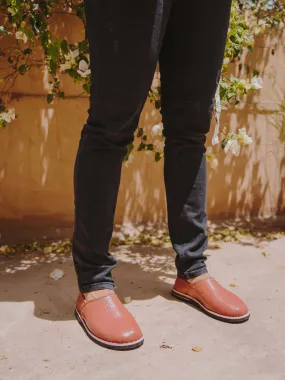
<point>127,38</point>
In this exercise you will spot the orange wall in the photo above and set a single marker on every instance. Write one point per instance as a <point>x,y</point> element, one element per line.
<point>37,153</point>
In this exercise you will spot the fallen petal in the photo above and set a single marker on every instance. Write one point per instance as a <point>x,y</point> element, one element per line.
<point>56,274</point>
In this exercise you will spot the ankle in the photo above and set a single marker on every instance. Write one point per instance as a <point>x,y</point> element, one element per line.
<point>96,294</point>
<point>198,278</point>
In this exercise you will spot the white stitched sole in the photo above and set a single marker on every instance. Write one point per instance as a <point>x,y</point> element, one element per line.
<point>186,298</point>
<point>105,343</point>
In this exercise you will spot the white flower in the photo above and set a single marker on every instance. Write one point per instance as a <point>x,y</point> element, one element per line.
<point>247,140</point>
<point>158,144</point>
<point>10,10</point>
<point>147,152</point>
<point>65,66</point>
<point>257,82</point>
<point>9,115</point>
<point>234,146</point>
<point>21,36</point>
<point>74,53</point>
<point>84,70</point>
<point>69,60</point>
<point>243,138</point>
<point>157,130</point>
<point>248,86</point>
<point>242,131</point>
<point>226,60</point>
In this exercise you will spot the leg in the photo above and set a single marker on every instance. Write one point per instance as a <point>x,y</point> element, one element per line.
<point>190,62</point>
<point>125,39</point>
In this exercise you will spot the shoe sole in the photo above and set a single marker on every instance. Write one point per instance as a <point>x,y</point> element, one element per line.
<point>192,301</point>
<point>103,343</point>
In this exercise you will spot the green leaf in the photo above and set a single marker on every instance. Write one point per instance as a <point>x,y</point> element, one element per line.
<point>23,69</point>
<point>44,38</point>
<point>27,51</point>
<point>140,132</point>
<point>49,98</point>
<point>61,94</point>
<point>157,157</point>
<point>141,146</point>
<point>86,87</point>
<point>72,73</point>
<point>149,146</point>
<point>53,52</point>
<point>130,147</point>
<point>52,67</point>
<point>64,46</point>
<point>28,32</point>
<point>224,143</point>
<point>157,104</point>
<point>80,13</point>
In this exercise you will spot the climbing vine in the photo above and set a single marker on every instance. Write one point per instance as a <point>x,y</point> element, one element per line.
<point>25,26</point>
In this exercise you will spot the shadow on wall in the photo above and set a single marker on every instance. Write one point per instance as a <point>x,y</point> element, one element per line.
<point>253,184</point>
<point>37,154</point>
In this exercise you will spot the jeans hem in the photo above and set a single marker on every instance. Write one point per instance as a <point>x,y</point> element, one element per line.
<point>99,286</point>
<point>192,274</point>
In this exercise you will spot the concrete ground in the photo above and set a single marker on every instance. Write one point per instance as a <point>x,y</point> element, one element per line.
<point>40,338</point>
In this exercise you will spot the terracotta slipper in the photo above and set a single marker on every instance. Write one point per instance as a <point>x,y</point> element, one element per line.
<point>107,322</point>
<point>212,299</point>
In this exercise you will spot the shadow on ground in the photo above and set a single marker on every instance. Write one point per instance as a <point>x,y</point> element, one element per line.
<point>141,274</point>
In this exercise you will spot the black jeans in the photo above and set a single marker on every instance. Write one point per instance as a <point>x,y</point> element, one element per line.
<point>126,39</point>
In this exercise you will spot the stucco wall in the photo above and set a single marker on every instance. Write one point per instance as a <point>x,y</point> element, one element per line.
<point>37,153</point>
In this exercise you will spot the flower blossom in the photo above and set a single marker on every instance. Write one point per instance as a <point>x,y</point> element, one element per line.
<point>21,36</point>
<point>84,70</point>
<point>157,130</point>
<point>8,115</point>
<point>257,82</point>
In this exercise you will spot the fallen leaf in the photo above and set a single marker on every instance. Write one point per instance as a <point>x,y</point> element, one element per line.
<point>46,360</point>
<point>3,357</point>
<point>167,346</point>
<point>127,299</point>
<point>56,274</point>
<point>233,286</point>
<point>264,254</point>
<point>197,349</point>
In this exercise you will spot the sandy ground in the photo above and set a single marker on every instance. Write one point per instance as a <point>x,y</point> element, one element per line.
<point>40,338</point>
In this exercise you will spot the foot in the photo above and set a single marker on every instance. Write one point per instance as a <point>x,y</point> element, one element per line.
<point>106,321</point>
<point>214,300</point>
